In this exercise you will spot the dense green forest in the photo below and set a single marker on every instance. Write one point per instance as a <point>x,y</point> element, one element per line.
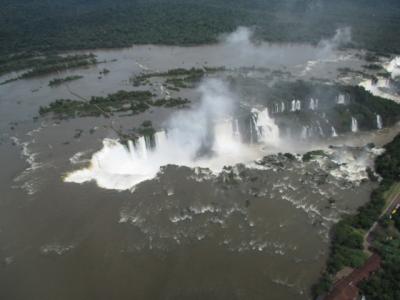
<point>37,25</point>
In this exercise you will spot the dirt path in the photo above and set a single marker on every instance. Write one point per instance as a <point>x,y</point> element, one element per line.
<point>391,204</point>
<point>346,289</point>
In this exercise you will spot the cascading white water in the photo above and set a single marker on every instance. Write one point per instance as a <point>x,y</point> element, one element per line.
<point>354,124</point>
<point>379,123</point>
<point>251,132</point>
<point>283,107</point>
<point>382,86</point>
<point>141,142</point>
<point>304,132</point>
<point>320,130</point>
<point>312,104</point>
<point>236,130</point>
<point>393,67</point>
<point>266,129</point>
<point>334,134</point>
<point>120,167</point>
<point>202,137</point>
<point>160,138</point>
<point>341,99</point>
<point>298,105</point>
<point>278,108</point>
<point>131,148</point>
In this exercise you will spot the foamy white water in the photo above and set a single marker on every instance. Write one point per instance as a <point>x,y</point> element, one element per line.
<point>382,87</point>
<point>393,67</point>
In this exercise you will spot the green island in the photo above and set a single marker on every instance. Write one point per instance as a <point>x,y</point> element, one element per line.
<point>59,81</point>
<point>347,245</point>
<point>32,66</point>
<point>312,154</point>
<point>177,79</point>
<point>122,101</point>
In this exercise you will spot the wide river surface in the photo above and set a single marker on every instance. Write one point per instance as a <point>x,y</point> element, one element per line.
<point>256,232</point>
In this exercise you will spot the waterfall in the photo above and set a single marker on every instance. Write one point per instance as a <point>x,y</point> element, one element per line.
<point>149,142</point>
<point>251,131</point>
<point>131,149</point>
<point>266,129</point>
<point>341,99</point>
<point>236,130</point>
<point>379,123</point>
<point>354,124</point>
<point>334,134</point>
<point>312,104</point>
<point>141,144</point>
<point>226,137</point>
<point>160,138</point>
<point>293,105</point>
<point>298,105</point>
<point>283,107</point>
<point>276,107</point>
<point>321,131</point>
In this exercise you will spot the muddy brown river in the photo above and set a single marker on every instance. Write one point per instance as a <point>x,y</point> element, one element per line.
<point>253,231</point>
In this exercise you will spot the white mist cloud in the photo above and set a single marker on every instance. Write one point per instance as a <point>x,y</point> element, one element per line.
<point>206,128</point>
<point>242,35</point>
<point>341,38</point>
<point>202,136</point>
<point>241,47</point>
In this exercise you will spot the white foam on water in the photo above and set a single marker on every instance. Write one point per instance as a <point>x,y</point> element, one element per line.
<point>25,180</point>
<point>77,158</point>
<point>55,249</point>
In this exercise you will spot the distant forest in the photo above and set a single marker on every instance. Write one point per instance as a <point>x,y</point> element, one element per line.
<point>52,25</point>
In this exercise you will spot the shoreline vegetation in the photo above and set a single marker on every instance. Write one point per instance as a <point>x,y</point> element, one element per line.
<point>43,65</point>
<point>347,248</point>
<point>31,30</point>
<point>77,24</point>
